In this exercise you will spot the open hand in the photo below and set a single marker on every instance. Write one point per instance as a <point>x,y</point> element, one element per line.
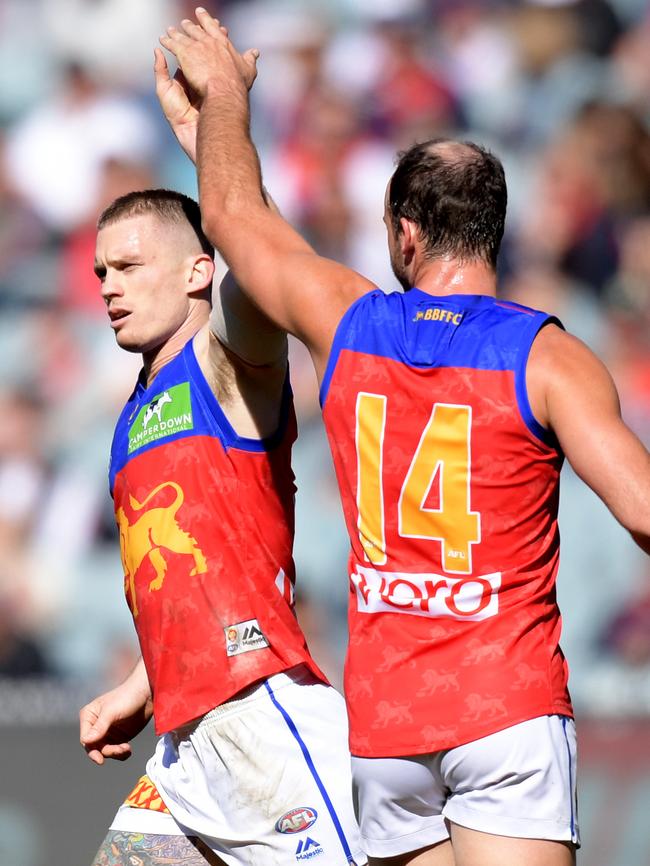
<point>206,56</point>
<point>109,723</point>
<point>180,104</point>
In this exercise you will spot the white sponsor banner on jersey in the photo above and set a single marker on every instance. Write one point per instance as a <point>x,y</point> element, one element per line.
<point>467,598</point>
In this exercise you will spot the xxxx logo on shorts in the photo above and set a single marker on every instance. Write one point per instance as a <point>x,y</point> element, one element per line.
<point>169,412</point>
<point>145,796</point>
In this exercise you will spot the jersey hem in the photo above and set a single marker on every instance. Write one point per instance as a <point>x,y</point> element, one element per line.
<point>174,724</point>
<point>406,749</point>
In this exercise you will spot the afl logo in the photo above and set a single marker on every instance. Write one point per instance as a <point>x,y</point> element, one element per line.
<point>296,820</point>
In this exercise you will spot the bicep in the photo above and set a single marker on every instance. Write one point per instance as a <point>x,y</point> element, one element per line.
<point>584,412</point>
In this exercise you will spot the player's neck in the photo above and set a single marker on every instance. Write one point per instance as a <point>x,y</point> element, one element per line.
<point>450,277</point>
<point>154,361</point>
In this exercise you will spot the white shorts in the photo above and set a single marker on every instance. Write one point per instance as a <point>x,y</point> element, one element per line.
<point>518,782</point>
<point>262,779</point>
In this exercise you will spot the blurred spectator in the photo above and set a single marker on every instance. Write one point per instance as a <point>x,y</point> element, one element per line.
<point>27,249</point>
<point>629,289</point>
<point>112,39</point>
<point>627,636</point>
<point>23,471</point>
<point>631,70</point>
<point>56,152</point>
<point>593,176</point>
<point>409,100</point>
<point>20,655</point>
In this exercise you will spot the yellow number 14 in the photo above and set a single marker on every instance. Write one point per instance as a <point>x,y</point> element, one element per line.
<point>443,453</point>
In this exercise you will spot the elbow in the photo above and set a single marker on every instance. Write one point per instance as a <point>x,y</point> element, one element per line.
<point>220,214</point>
<point>210,226</point>
<point>214,223</point>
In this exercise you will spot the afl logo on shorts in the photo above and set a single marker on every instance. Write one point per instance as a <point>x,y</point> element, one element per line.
<point>296,820</point>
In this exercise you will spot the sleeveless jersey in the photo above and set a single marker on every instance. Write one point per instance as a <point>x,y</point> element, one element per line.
<point>450,492</point>
<point>206,532</point>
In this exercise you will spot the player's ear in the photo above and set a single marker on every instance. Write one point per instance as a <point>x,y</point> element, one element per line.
<point>407,238</point>
<point>201,273</point>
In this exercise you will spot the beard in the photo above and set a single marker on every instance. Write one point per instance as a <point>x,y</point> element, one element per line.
<point>400,271</point>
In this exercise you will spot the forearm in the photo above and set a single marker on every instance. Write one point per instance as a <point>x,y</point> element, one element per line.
<point>229,173</point>
<point>138,684</point>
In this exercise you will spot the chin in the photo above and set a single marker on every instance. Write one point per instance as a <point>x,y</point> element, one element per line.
<point>128,343</point>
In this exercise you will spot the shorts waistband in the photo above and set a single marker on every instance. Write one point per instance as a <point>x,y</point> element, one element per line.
<point>296,675</point>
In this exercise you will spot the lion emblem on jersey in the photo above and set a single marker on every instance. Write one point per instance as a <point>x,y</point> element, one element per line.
<point>152,533</point>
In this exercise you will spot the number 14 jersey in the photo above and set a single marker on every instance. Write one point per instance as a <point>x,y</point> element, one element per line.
<point>449,487</point>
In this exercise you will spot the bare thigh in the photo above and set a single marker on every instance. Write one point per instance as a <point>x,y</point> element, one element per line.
<point>434,855</point>
<point>146,849</point>
<point>474,848</point>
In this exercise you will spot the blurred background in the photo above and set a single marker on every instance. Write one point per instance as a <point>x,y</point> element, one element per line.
<point>561,92</point>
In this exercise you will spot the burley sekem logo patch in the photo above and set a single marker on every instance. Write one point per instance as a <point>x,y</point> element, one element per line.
<point>169,412</point>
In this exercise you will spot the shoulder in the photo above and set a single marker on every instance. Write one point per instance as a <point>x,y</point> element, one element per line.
<point>557,352</point>
<point>562,371</point>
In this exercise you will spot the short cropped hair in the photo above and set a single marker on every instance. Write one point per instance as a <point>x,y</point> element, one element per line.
<point>455,192</point>
<point>167,204</point>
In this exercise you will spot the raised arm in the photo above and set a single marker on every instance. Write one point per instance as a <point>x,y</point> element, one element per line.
<point>299,290</point>
<point>235,320</point>
<point>573,394</point>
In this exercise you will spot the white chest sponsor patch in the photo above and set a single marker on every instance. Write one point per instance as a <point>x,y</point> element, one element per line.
<point>435,595</point>
<point>244,637</point>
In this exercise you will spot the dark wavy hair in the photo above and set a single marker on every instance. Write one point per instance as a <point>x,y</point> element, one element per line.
<point>455,192</point>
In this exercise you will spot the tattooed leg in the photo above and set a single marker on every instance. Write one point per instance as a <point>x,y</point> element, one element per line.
<point>147,849</point>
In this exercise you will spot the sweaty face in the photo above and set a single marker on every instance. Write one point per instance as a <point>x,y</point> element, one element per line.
<point>142,270</point>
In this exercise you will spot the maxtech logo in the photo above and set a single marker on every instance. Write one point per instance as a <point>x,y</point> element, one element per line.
<point>296,820</point>
<point>435,595</point>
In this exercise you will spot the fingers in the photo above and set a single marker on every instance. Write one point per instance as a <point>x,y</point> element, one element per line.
<point>117,752</point>
<point>192,29</point>
<point>211,25</point>
<point>160,68</point>
<point>251,57</point>
<point>88,716</point>
<point>95,756</point>
<point>93,725</point>
<point>175,40</point>
<point>112,751</point>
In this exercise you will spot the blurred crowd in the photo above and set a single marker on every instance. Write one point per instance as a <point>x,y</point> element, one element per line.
<point>559,90</point>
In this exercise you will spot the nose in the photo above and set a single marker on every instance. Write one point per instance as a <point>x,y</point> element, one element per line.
<point>110,286</point>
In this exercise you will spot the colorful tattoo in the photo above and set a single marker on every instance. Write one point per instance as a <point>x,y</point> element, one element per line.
<point>144,849</point>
